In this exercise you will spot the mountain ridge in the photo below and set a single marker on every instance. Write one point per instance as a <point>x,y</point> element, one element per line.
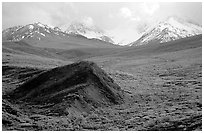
<point>38,31</point>
<point>91,32</point>
<point>171,29</point>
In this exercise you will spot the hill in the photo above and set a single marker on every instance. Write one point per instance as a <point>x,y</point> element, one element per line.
<point>78,86</point>
<point>157,48</point>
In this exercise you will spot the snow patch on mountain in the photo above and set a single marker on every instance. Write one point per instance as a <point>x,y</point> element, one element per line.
<point>91,32</point>
<point>40,25</point>
<point>31,27</point>
<point>171,29</point>
<point>36,31</point>
<point>42,34</point>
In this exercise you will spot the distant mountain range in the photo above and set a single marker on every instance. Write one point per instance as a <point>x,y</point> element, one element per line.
<point>172,29</point>
<point>88,31</point>
<point>38,31</point>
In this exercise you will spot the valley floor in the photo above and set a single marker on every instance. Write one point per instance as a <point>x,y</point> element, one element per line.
<point>164,92</point>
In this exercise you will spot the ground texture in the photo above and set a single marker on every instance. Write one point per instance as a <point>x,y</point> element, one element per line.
<point>162,87</point>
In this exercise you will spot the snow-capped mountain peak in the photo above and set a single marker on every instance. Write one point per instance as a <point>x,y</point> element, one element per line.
<point>91,32</point>
<point>40,24</point>
<point>57,29</point>
<point>80,28</point>
<point>168,30</point>
<point>38,31</point>
<point>35,31</point>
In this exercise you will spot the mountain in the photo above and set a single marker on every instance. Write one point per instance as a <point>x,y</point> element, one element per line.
<point>172,29</point>
<point>41,35</point>
<point>36,31</point>
<point>91,32</point>
<point>77,86</point>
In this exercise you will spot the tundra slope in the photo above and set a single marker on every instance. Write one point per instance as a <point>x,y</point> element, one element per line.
<point>164,82</point>
<point>79,86</point>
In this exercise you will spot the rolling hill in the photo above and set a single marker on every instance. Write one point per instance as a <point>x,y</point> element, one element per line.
<point>77,86</point>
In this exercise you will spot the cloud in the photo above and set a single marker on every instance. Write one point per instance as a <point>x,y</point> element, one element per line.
<point>88,21</point>
<point>125,12</point>
<point>128,14</point>
<point>150,8</point>
<point>62,13</point>
<point>142,27</point>
<point>52,14</point>
<point>110,16</point>
<point>136,19</point>
<point>123,35</point>
<point>23,13</point>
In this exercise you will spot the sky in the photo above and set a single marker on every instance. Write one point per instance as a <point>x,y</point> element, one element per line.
<point>123,21</point>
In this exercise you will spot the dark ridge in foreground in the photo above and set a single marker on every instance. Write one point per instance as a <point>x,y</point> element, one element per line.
<point>81,86</point>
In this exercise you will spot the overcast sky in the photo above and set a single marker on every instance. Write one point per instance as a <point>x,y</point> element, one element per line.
<point>124,20</point>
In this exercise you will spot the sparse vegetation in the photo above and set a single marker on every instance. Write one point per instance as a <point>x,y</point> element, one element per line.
<point>163,91</point>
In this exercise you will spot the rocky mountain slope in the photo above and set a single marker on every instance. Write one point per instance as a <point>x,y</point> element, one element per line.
<point>39,31</point>
<point>42,35</point>
<point>171,29</point>
<point>88,31</point>
<point>36,31</point>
